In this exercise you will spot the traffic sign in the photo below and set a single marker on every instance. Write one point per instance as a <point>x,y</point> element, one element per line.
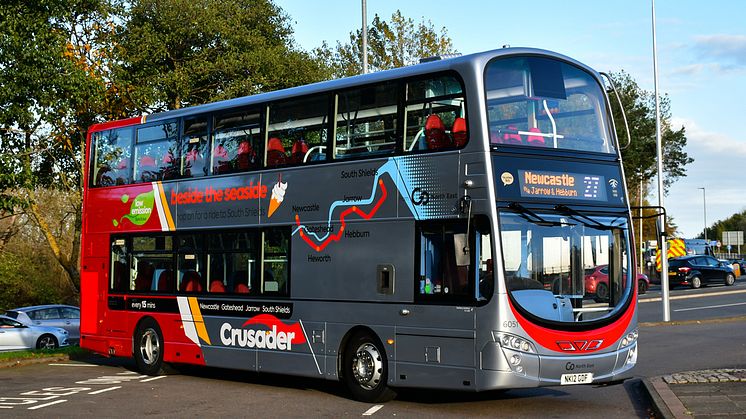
<point>734,238</point>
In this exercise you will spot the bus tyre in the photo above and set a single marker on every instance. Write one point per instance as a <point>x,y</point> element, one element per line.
<point>46,342</point>
<point>149,347</point>
<point>696,282</point>
<point>365,369</point>
<point>730,279</point>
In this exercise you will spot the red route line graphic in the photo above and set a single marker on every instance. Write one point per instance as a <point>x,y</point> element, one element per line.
<point>345,213</point>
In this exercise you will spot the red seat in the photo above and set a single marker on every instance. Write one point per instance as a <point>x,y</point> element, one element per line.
<point>535,140</point>
<point>275,152</point>
<point>217,286</point>
<point>246,158</point>
<point>144,278</point>
<point>242,289</point>
<point>191,282</point>
<point>459,132</point>
<point>299,151</point>
<point>435,133</point>
<point>512,137</point>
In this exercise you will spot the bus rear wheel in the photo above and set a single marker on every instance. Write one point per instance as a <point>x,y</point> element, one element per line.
<point>149,347</point>
<point>365,369</point>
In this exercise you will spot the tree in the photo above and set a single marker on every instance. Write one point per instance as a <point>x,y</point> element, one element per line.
<point>175,53</point>
<point>52,67</point>
<point>397,43</point>
<point>640,157</point>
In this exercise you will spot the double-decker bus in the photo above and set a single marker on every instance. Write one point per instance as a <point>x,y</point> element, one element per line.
<point>445,225</point>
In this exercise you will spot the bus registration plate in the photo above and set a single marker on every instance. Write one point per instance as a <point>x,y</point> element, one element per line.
<point>580,378</point>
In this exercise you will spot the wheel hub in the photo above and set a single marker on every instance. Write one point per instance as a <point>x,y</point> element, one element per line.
<point>367,366</point>
<point>149,347</point>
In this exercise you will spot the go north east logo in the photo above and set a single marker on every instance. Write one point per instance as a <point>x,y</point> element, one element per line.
<point>280,336</point>
<point>140,210</point>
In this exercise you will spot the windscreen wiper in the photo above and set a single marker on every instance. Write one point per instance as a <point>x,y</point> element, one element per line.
<point>575,214</point>
<point>528,214</point>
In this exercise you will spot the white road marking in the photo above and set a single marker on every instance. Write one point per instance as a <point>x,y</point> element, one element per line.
<point>686,297</point>
<point>5,407</point>
<point>153,378</point>
<point>706,307</point>
<point>104,390</point>
<point>46,404</point>
<point>126,373</point>
<point>73,365</point>
<point>373,410</point>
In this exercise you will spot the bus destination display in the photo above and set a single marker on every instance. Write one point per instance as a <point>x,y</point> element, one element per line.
<point>543,184</point>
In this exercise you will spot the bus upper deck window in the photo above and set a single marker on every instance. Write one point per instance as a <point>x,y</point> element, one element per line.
<point>367,121</point>
<point>547,103</point>
<point>238,142</point>
<point>298,131</point>
<point>435,114</point>
<point>111,157</point>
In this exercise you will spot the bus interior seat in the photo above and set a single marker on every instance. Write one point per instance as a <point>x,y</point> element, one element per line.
<point>144,277</point>
<point>191,282</point>
<point>459,132</point>
<point>242,288</point>
<point>535,140</point>
<point>246,157</point>
<point>217,286</point>
<point>147,169</point>
<point>165,280</point>
<point>221,161</point>
<point>435,133</point>
<point>298,152</point>
<point>275,152</point>
<point>512,137</point>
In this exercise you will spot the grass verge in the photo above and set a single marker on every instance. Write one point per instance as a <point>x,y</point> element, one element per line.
<point>72,351</point>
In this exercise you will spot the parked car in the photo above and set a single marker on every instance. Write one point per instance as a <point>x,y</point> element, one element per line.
<point>741,263</point>
<point>15,336</point>
<point>53,315</point>
<point>698,270</point>
<point>597,282</point>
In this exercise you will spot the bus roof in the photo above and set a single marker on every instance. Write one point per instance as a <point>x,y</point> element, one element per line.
<point>458,62</point>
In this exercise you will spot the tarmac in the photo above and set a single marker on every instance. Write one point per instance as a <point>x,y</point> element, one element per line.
<point>716,393</point>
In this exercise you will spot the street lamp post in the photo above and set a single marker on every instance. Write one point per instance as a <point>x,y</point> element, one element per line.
<point>704,207</point>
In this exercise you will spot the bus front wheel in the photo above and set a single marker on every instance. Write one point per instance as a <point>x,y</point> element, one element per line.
<point>149,347</point>
<point>366,369</point>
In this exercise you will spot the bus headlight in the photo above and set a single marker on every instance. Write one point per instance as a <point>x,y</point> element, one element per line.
<point>516,343</point>
<point>629,340</point>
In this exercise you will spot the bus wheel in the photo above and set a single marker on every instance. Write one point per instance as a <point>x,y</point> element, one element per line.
<point>149,347</point>
<point>366,370</point>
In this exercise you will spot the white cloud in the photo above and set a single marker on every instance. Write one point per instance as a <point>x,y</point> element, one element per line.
<point>711,141</point>
<point>722,48</point>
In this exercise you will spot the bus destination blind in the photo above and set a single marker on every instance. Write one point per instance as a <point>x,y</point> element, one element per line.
<point>544,184</point>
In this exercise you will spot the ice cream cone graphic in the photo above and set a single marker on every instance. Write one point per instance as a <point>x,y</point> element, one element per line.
<point>278,195</point>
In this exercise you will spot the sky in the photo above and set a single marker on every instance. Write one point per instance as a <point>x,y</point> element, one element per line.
<point>701,67</point>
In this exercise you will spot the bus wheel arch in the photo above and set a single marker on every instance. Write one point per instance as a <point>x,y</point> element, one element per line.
<point>147,346</point>
<point>362,350</point>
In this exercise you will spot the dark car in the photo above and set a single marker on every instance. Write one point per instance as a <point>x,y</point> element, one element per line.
<point>697,270</point>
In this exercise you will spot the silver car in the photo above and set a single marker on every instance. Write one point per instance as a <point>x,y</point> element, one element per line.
<point>53,315</point>
<point>15,336</point>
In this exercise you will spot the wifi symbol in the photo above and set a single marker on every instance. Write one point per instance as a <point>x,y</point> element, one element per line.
<point>614,183</point>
